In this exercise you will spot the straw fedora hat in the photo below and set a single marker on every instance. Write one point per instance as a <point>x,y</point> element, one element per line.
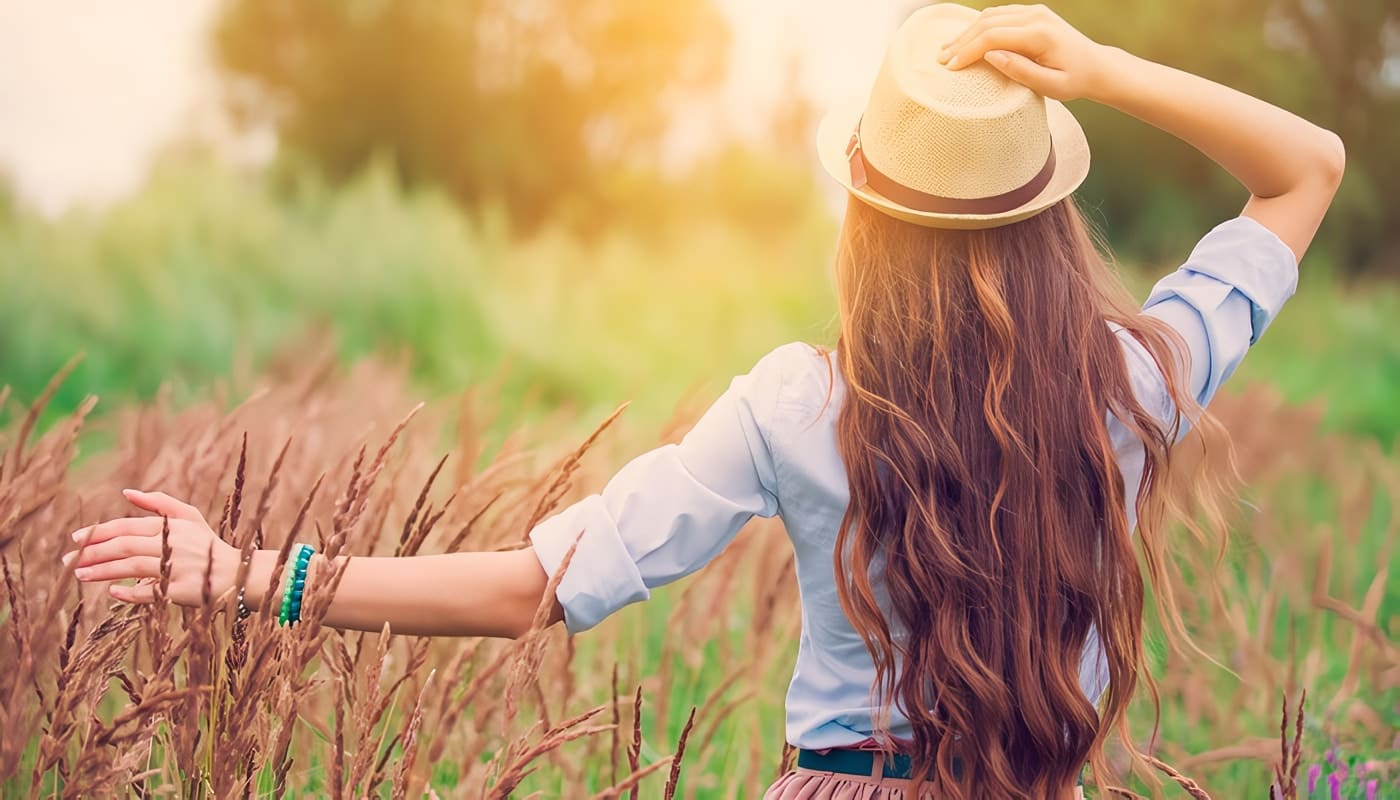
<point>946,149</point>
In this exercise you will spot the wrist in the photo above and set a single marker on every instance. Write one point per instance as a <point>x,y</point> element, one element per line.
<point>259,573</point>
<point>1112,68</point>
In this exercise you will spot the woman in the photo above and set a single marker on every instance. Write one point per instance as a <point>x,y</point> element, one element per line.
<point>962,477</point>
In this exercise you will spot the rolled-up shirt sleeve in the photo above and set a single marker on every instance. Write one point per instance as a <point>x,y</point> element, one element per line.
<point>1224,297</point>
<point>671,510</point>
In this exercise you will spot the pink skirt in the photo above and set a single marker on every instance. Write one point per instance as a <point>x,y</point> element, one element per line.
<point>810,784</point>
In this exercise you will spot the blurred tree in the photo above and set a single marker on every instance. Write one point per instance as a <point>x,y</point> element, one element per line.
<point>532,104</point>
<point>1326,60</point>
<point>1356,47</point>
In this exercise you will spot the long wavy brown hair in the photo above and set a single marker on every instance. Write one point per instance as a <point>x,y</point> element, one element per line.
<point>987,530</point>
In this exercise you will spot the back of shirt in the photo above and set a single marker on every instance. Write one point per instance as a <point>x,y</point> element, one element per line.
<point>768,447</point>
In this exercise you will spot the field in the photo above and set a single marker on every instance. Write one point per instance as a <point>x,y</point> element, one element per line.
<point>312,323</point>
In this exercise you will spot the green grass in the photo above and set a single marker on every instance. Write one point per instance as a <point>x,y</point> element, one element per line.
<point>1340,349</point>
<point>208,274</point>
<point>204,269</point>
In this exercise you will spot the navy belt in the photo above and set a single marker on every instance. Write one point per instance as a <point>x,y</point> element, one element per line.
<point>859,762</point>
<point>862,762</point>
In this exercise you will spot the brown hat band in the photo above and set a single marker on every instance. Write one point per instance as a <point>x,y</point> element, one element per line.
<point>863,174</point>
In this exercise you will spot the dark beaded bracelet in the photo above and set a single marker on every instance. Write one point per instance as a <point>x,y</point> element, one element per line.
<point>243,610</point>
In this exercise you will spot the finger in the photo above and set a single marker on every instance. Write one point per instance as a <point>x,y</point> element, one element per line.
<point>1007,11</point>
<point>1026,72</point>
<point>122,526</point>
<point>140,593</point>
<point>984,23</point>
<point>120,569</point>
<point>119,547</point>
<point>162,503</point>
<point>1022,39</point>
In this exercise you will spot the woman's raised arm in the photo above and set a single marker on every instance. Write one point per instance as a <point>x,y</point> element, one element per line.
<point>1290,166</point>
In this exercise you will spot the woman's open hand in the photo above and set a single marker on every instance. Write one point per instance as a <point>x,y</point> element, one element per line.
<point>1032,46</point>
<point>130,547</point>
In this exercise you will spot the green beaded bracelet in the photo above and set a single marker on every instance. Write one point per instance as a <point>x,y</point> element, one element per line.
<point>295,586</point>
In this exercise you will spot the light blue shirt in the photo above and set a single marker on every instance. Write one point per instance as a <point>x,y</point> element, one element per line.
<point>767,447</point>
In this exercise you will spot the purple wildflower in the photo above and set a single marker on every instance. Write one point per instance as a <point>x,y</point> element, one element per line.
<point>1314,772</point>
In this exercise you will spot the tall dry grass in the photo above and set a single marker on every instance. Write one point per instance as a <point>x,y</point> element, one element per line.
<point>97,696</point>
<point>100,698</point>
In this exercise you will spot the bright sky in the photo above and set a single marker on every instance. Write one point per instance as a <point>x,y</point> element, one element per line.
<point>90,90</point>
<point>839,44</point>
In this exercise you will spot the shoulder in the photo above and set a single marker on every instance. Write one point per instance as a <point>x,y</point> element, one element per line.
<point>793,357</point>
<point>790,387</point>
<point>784,380</point>
<point>790,369</point>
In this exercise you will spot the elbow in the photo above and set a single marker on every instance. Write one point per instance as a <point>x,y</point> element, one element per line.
<point>502,595</point>
<point>517,623</point>
<point>524,619</point>
<point>529,599</point>
<point>513,624</point>
<point>517,632</point>
<point>1332,158</point>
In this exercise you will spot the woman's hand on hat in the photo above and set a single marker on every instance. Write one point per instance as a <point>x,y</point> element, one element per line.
<point>130,547</point>
<point>1033,46</point>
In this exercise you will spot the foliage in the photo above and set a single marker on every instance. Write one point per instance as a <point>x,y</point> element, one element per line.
<point>207,273</point>
<point>152,699</point>
<point>1338,350</point>
<point>207,267</point>
<point>554,110</point>
<point>533,106</point>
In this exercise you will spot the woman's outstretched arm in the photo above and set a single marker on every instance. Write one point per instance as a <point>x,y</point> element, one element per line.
<point>455,594</point>
<point>665,514</point>
<point>1290,166</point>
